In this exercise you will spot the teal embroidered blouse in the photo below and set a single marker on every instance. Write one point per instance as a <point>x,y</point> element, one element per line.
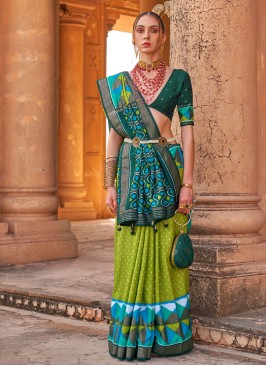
<point>176,92</point>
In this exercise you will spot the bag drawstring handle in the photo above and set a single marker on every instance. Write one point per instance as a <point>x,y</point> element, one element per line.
<point>185,224</point>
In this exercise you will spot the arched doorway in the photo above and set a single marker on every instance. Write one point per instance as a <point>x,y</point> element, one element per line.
<point>84,26</point>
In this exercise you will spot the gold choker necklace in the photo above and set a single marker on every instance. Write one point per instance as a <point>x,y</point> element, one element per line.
<point>149,65</point>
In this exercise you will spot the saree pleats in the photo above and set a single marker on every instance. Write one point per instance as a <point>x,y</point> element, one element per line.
<point>150,310</point>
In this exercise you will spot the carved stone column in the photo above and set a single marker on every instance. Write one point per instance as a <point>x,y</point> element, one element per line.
<point>72,191</point>
<point>216,43</point>
<point>98,20</point>
<point>148,5</point>
<point>261,101</point>
<point>3,226</point>
<point>28,144</point>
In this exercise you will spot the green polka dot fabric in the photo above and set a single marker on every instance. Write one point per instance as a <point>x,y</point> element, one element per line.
<point>150,310</point>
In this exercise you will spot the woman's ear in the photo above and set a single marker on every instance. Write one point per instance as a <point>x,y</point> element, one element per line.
<point>164,38</point>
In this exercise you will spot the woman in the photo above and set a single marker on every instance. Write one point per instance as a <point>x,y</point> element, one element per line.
<point>147,179</point>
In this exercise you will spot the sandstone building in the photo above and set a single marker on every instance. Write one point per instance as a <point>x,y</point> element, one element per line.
<point>52,133</point>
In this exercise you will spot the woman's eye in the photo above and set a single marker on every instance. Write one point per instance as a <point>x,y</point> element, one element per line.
<point>154,30</point>
<point>139,30</point>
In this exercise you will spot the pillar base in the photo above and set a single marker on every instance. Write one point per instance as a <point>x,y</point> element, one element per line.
<point>3,228</point>
<point>223,281</point>
<point>76,211</point>
<point>28,242</point>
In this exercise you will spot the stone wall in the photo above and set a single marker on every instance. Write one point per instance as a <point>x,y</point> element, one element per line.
<point>216,43</point>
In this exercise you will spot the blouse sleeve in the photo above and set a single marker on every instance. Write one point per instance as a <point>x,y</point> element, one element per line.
<point>185,103</point>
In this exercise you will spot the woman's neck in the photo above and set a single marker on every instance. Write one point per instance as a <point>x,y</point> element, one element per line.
<point>149,58</point>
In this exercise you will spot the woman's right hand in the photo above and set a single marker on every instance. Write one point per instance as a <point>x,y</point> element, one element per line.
<point>111,199</point>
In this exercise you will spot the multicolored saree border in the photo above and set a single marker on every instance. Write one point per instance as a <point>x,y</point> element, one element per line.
<point>144,353</point>
<point>137,329</point>
<point>179,298</point>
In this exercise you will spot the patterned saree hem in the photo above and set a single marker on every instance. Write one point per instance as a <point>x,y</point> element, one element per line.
<point>173,350</point>
<point>163,327</point>
<point>182,299</point>
<point>144,353</point>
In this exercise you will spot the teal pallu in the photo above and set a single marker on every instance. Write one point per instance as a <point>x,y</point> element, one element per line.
<point>150,309</point>
<point>149,171</point>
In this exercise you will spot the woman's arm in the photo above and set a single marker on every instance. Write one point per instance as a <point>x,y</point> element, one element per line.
<point>186,193</point>
<point>113,147</point>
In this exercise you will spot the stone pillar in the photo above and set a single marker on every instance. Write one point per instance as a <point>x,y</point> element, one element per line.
<point>216,43</point>
<point>3,226</point>
<point>72,191</point>
<point>261,102</point>
<point>29,199</point>
<point>98,20</point>
<point>148,5</point>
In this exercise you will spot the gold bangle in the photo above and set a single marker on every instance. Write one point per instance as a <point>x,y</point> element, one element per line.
<point>110,172</point>
<point>187,185</point>
<point>111,157</point>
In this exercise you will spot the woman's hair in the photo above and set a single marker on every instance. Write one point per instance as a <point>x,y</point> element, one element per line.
<point>151,13</point>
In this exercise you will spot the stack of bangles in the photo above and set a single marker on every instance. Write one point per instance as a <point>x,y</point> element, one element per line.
<point>110,174</point>
<point>110,171</point>
<point>189,206</point>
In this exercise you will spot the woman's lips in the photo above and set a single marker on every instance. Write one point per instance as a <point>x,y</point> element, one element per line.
<point>146,44</point>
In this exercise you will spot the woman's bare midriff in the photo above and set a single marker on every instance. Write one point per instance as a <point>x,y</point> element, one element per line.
<point>163,123</point>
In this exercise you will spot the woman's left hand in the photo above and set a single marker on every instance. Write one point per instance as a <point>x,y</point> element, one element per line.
<point>185,200</point>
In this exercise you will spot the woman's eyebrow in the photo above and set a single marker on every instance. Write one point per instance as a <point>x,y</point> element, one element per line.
<point>143,26</point>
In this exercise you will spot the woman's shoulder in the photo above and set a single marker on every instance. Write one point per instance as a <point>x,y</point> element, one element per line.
<point>179,72</point>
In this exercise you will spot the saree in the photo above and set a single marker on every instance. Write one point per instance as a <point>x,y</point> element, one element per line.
<point>150,307</point>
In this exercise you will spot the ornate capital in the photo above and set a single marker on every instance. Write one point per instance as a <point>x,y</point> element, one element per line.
<point>112,17</point>
<point>63,10</point>
<point>66,15</point>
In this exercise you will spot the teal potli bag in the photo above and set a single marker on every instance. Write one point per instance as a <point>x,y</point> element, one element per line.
<point>182,253</point>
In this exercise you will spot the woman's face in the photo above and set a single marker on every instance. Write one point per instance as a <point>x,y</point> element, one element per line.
<point>147,35</point>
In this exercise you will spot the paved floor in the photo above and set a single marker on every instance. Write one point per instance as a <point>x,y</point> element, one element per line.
<point>32,338</point>
<point>87,278</point>
<point>252,320</point>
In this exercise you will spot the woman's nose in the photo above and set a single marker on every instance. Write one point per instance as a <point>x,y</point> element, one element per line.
<point>146,35</point>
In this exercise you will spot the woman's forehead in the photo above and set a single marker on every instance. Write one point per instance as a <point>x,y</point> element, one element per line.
<point>148,20</point>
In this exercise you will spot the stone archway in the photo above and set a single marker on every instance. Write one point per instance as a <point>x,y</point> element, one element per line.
<point>84,26</point>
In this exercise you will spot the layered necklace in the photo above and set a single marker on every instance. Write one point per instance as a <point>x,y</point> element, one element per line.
<point>148,86</point>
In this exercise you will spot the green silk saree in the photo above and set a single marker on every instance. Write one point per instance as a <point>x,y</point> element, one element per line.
<point>150,309</point>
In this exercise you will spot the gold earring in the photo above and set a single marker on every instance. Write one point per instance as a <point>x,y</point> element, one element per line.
<point>136,51</point>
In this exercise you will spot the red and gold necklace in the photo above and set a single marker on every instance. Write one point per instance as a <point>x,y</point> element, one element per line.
<point>148,86</point>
